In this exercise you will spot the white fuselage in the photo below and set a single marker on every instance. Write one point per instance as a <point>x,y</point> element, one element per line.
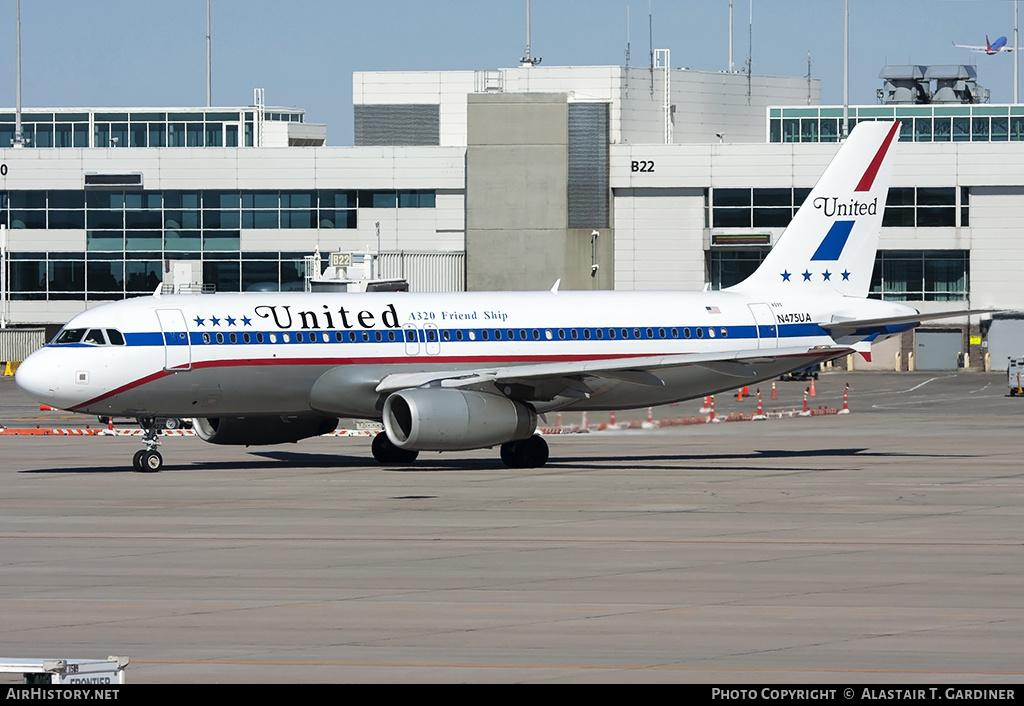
<point>263,354</point>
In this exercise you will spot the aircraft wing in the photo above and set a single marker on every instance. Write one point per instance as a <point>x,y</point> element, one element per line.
<point>890,324</point>
<point>639,370</point>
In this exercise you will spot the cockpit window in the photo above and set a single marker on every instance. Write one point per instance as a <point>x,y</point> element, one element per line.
<point>95,337</point>
<point>69,335</point>
<point>90,336</point>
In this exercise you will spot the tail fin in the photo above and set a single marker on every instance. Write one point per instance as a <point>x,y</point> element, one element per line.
<point>829,246</point>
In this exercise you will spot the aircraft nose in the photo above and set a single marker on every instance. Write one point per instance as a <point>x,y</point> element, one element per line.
<point>36,378</point>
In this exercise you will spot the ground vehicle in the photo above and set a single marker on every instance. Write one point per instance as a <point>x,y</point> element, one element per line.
<point>808,373</point>
<point>1015,375</point>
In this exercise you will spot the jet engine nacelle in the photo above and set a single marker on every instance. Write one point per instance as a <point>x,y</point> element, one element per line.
<point>261,431</point>
<point>434,419</point>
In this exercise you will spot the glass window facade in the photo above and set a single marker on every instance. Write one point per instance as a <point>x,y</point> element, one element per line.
<point>922,207</point>
<point>755,208</point>
<point>921,275</point>
<point>197,128</point>
<point>931,123</point>
<point>129,235</point>
<point>899,275</point>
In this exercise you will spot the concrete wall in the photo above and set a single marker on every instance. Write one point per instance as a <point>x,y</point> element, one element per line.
<point>517,235</point>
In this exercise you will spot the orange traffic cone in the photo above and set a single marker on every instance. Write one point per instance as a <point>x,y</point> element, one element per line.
<point>811,391</point>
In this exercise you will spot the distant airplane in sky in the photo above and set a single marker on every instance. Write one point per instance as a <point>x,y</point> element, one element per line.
<point>989,48</point>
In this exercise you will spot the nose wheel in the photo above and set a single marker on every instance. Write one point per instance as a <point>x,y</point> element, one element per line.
<point>148,460</point>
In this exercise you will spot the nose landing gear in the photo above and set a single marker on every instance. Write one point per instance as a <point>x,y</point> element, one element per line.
<point>148,460</point>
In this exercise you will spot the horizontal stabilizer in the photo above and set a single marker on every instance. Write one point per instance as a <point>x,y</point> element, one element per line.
<point>892,324</point>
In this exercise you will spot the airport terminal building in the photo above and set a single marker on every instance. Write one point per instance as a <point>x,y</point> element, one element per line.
<point>604,177</point>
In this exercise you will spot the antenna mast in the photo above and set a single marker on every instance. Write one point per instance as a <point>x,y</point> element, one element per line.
<point>528,59</point>
<point>19,140</point>
<point>627,51</point>
<point>209,75</point>
<point>750,50</point>
<point>650,41</point>
<point>808,78</point>
<point>730,37</point>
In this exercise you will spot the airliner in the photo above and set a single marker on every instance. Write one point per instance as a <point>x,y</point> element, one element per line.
<point>459,371</point>
<point>990,48</point>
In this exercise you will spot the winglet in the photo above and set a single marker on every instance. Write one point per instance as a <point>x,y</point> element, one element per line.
<point>554,288</point>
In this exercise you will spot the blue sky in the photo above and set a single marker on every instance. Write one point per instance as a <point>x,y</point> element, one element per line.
<point>303,52</point>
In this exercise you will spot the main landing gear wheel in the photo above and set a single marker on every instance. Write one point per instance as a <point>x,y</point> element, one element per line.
<point>386,452</point>
<point>525,453</point>
<point>148,460</point>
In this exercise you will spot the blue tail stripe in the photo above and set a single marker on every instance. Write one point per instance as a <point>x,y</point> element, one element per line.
<point>835,240</point>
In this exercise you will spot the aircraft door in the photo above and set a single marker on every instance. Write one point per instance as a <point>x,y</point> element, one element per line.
<point>412,339</point>
<point>767,328</point>
<point>432,339</point>
<point>177,347</point>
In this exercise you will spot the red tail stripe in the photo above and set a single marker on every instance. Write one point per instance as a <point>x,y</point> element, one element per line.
<point>869,176</point>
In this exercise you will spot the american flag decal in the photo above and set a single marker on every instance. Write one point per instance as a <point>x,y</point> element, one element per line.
<point>713,310</point>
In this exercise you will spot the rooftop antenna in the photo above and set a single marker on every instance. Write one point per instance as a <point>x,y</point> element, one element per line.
<point>730,37</point>
<point>209,74</point>
<point>650,41</point>
<point>845,127</point>
<point>808,78</point>
<point>528,59</point>
<point>19,140</point>
<point>750,50</point>
<point>627,51</point>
